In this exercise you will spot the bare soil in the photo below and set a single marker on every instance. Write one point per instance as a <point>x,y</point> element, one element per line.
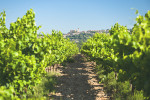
<point>78,81</point>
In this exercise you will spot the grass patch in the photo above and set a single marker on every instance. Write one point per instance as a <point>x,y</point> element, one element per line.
<point>42,90</point>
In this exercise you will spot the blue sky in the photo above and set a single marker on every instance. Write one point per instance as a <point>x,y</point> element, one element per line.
<point>65,15</point>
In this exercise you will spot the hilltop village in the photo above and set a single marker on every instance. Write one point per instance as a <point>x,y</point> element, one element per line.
<point>77,32</point>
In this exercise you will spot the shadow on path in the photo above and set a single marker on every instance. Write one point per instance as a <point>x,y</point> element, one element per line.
<point>78,82</point>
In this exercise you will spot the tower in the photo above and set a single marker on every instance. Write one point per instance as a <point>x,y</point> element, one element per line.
<point>78,30</point>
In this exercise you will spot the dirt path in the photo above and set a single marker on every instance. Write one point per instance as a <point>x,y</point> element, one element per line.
<point>78,82</point>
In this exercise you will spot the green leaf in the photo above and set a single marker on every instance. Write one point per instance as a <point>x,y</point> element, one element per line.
<point>136,12</point>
